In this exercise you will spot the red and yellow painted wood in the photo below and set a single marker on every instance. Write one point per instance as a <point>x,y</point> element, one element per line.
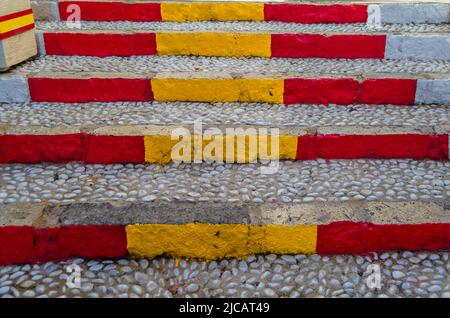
<point>215,11</point>
<point>17,39</point>
<point>107,149</point>
<point>26,244</point>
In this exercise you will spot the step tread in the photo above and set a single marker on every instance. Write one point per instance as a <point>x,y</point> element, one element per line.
<point>130,113</point>
<point>152,64</point>
<point>120,212</point>
<point>297,182</point>
<point>241,27</point>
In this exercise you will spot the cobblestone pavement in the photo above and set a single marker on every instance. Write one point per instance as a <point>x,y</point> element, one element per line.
<point>406,274</point>
<point>245,26</point>
<point>300,181</point>
<point>150,64</point>
<point>131,113</point>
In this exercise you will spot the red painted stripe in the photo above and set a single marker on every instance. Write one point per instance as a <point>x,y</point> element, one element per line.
<point>16,245</point>
<point>25,244</point>
<point>15,15</point>
<point>101,45</point>
<point>414,146</point>
<point>309,13</point>
<point>328,46</point>
<point>67,90</point>
<point>357,238</point>
<point>16,31</point>
<point>114,149</point>
<point>320,91</point>
<point>388,91</point>
<point>80,241</point>
<point>113,11</point>
<point>40,148</point>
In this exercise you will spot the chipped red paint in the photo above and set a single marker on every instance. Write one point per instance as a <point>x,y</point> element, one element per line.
<point>414,146</point>
<point>357,238</point>
<point>73,90</point>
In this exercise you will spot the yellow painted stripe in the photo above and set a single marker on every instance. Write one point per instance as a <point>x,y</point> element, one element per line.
<point>16,23</point>
<point>218,90</point>
<point>217,241</point>
<point>233,148</point>
<point>182,12</point>
<point>213,44</point>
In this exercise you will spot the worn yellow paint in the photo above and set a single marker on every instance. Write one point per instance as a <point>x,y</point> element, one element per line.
<point>241,148</point>
<point>16,23</point>
<point>262,90</point>
<point>158,149</point>
<point>204,11</point>
<point>281,239</point>
<point>214,44</point>
<point>217,241</point>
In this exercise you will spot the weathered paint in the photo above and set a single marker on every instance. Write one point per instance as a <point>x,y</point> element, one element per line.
<point>198,11</point>
<point>356,238</point>
<point>216,241</point>
<point>218,90</point>
<point>214,44</point>
<point>26,244</point>
<point>158,149</point>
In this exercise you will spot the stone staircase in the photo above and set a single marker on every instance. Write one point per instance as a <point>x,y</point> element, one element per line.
<point>355,96</point>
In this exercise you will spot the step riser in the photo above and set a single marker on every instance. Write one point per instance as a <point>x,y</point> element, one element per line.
<point>126,87</point>
<point>30,245</point>
<point>297,13</point>
<point>352,46</point>
<point>108,149</point>
<point>39,232</point>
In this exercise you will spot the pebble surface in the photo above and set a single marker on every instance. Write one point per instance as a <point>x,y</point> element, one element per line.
<point>150,64</point>
<point>400,274</point>
<point>131,113</point>
<point>246,26</point>
<point>300,181</point>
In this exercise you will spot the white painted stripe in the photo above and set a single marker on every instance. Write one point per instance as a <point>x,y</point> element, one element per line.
<point>418,47</point>
<point>433,91</point>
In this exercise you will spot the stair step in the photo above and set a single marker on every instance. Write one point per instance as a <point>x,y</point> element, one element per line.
<point>151,230</point>
<point>297,182</point>
<point>147,113</point>
<point>102,42</point>
<point>295,11</point>
<point>279,88</point>
<point>164,144</point>
<point>162,64</point>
